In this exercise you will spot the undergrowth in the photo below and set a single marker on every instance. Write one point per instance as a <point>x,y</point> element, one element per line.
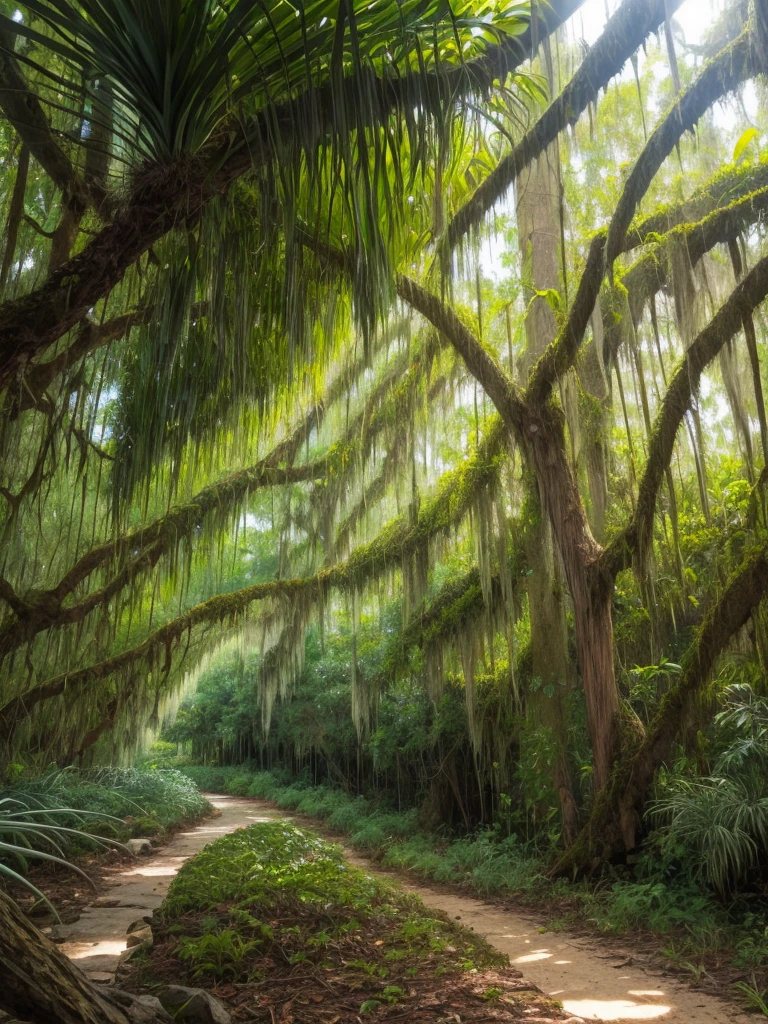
<point>285,928</point>
<point>695,929</point>
<point>148,801</point>
<point>59,816</point>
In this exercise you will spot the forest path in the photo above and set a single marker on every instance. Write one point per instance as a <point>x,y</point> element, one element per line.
<point>96,940</point>
<point>590,982</point>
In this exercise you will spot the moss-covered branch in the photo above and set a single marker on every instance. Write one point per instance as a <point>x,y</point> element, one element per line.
<point>650,273</point>
<point>454,496</point>
<point>723,189</point>
<point>736,64</point>
<point>43,610</point>
<point>624,33</point>
<point>480,363</point>
<point>727,322</point>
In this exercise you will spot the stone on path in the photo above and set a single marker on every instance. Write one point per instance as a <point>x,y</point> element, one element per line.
<point>192,1005</point>
<point>139,846</point>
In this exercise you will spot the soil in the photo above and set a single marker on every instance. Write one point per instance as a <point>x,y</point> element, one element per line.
<point>592,980</point>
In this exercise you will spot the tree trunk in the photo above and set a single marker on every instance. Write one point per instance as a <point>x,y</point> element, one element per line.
<point>617,811</point>
<point>591,589</point>
<point>539,238</point>
<point>40,985</point>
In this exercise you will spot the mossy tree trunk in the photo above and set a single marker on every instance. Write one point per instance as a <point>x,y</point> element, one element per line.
<point>618,809</point>
<point>41,986</point>
<point>539,237</point>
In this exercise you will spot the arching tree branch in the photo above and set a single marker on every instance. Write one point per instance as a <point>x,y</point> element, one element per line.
<point>455,494</point>
<point>625,32</point>
<point>737,63</point>
<point>727,322</point>
<point>650,273</point>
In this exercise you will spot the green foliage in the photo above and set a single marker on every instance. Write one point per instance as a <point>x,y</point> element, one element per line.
<point>162,795</point>
<point>718,824</point>
<point>70,812</point>
<point>179,75</point>
<point>220,955</point>
<point>33,830</point>
<point>277,891</point>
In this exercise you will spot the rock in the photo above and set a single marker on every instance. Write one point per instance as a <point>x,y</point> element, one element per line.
<point>139,924</point>
<point>130,952</point>
<point>138,847</point>
<point>106,901</point>
<point>142,937</point>
<point>139,1009</point>
<point>192,1005</point>
<point>99,977</point>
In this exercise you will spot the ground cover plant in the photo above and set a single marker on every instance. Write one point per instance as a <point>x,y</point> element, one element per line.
<point>664,904</point>
<point>278,925</point>
<point>53,823</point>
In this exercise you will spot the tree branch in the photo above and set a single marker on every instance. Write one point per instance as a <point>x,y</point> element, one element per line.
<point>455,494</point>
<point>727,322</point>
<point>625,32</point>
<point>723,189</point>
<point>483,367</point>
<point>735,64</point>
<point>649,274</point>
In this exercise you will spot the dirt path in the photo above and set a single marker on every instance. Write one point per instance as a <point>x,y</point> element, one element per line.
<point>589,983</point>
<point>97,939</point>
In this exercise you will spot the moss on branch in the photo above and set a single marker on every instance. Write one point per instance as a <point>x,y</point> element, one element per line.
<point>624,33</point>
<point>737,63</point>
<point>727,322</point>
<point>454,496</point>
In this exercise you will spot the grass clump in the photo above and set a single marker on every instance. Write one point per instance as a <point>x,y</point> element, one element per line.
<point>147,801</point>
<point>276,911</point>
<point>50,821</point>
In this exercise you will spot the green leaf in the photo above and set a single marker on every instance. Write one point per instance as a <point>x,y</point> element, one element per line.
<point>746,137</point>
<point>552,297</point>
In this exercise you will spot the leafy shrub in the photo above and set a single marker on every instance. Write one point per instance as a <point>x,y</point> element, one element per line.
<point>348,817</point>
<point>239,785</point>
<point>62,813</point>
<point>264,786</point>
<point>371,837</point>
<point>718,824</point>
<point>166,796</point>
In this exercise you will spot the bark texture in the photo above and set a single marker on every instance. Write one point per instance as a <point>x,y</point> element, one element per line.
<point>539,238</point>
<point>42,986</point>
